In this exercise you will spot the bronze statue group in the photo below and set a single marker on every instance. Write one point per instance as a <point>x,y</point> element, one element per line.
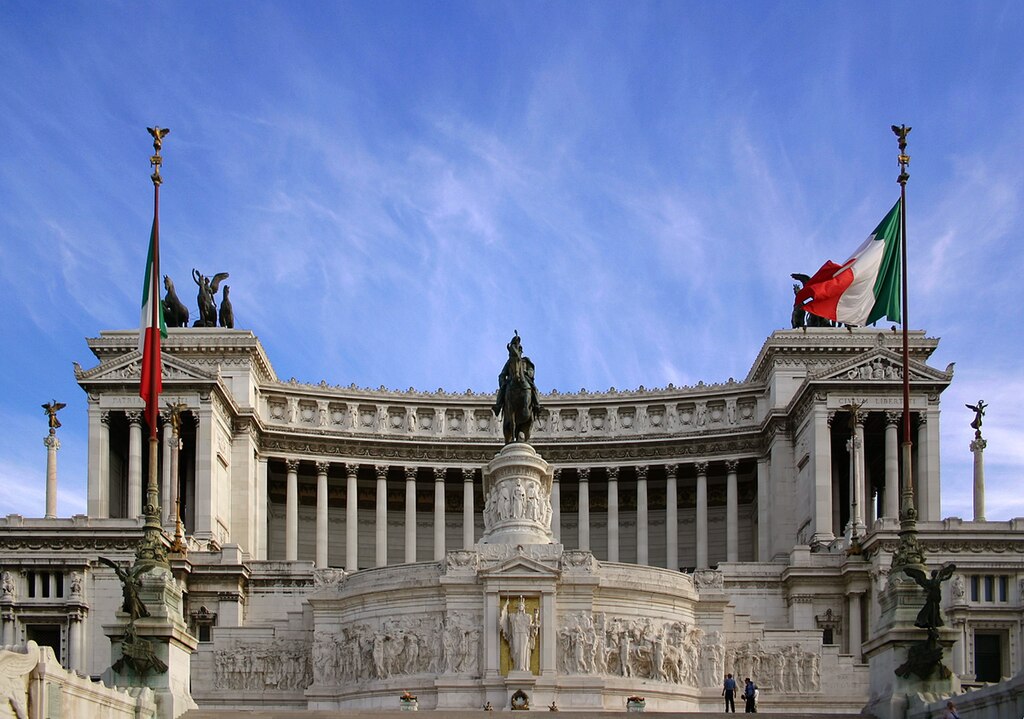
<point>176,313</point>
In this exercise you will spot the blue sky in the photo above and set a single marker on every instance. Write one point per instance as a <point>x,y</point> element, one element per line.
<point>395,186</point>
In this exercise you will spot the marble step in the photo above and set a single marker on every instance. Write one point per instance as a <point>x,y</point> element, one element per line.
<point>461,714</point>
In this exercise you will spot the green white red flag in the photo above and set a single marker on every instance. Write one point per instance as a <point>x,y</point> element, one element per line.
<point>866,287</point>
<point>151,329</point>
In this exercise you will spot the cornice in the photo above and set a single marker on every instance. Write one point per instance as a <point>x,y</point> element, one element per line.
<point>835,342</point>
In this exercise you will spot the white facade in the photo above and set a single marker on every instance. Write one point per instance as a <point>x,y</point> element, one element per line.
<point>334,557</point>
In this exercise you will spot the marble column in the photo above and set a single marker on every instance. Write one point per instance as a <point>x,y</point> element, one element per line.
<point>351,517</point>
<point>702,514</point>
<point>860,476</point>
<point>321,514</point>
<point>76,658</point>
<point>262,469</point>
<point>556,504</point>
<point>468,512</point>
<point>291,513</point>
<point>822,458</point>
<point>584,508</point>
<point>641,515</point>
<point>613,514</point>
<point>52,445</point>
<point>99,449</point>
<point>978,445</point>
<point>134,464</point>
<point>381,557</point>
<point>855,630</point>
<point>763,512</point>
<point>671,517</point>
<point>439,518</point>
<point>929,506</point>
<point>167,439</point>
<point>892,465</point>
<point>410,515</point>
<point>732,531</point>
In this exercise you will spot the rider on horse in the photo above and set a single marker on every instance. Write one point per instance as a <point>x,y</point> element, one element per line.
<point>515,355</point>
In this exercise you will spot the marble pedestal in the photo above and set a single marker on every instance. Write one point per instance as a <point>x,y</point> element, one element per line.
<point>892,696</point>
<point>171,641</point>
<point>517,497</point>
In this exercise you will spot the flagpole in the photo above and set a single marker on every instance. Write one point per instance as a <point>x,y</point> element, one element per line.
<point>151,550</point>
<point>909,551</point>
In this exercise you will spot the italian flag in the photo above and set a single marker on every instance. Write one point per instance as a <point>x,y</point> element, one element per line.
<point>866,287</point>
<point>151,329</point>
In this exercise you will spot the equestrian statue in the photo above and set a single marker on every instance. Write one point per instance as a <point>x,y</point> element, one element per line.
<point>517,402</point>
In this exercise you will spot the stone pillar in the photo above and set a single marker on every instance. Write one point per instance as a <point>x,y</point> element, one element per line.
<point>732,532</point>
<point>892,465</point>
<point>926,488</point>
<point>556,505</point>
<point>52,444</point>
<point>291,512</point>
<point>99,449</point>
<point>439,517</point>
<point>763,512</point>
<point>702,515</point>
<point>76,658</point>
<point>410,515</point>
<point>641,515</point>
<point>822,458</point>
<point>671,517</point>
<point>321,514</point>
<point>934,467</point>
<point>584,508</point>
<point>205,510</point>
<point>351,518</point>
<point>960,652</point>
<point>613,514</point>
<point>489,639</point>
<point>855,629</point>
<point>381,557</point>
<point>167,438</point>
<point>262,469</point>
<point>134,464</point>
<point>860,475</point>
<point>468,512</point>
<point>978,445</point>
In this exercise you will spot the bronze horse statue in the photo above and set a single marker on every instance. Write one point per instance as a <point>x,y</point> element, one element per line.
<point>175,311</point>
<point>517,395</point>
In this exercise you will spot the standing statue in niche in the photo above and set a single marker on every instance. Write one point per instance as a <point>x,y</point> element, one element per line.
<point>520,630</point>
<point>207,291</point>
<point>517,402</point>
<point>175,311</point>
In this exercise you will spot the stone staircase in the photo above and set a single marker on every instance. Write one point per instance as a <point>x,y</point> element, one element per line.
<point>457,714</point>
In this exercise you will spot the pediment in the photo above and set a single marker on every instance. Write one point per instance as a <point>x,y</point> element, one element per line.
<point>521,566</point>
<point>128,367</point>
<point>880,365</point>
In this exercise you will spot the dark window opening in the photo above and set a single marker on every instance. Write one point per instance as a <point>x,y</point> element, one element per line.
<point>47,635</point>
<point>987,657</point>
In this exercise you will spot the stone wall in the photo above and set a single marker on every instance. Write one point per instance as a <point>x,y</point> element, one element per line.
<point>33,684</point>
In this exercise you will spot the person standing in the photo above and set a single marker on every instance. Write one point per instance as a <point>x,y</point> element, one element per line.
<point>950,712</point>
<point>749,697</point>
<point>729,692</point>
